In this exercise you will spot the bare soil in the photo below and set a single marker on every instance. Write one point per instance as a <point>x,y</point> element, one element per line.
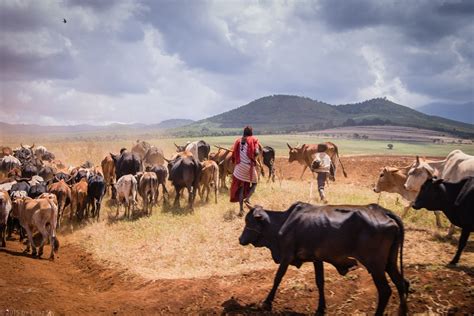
<point>76,283</point>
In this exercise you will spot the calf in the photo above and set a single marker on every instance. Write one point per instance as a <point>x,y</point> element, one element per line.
<point>125,191</point>
<point>269,161</point>
<point>456,200</point>
<point>5,208</point>
<point>95,193</point>
<point>341,235</point>
<point>40,215</point>
<point>209,179</point>
<point>223,158</point>
<point>162,175</point>
<point>392,180</point>
<point>148,190</point>
<point>63,195</point>
<point>79,198</point>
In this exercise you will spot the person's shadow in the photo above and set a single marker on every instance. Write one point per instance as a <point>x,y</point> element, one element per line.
<point>233,307</point>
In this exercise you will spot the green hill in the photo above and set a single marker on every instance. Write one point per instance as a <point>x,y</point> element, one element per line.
<point>286,114</point>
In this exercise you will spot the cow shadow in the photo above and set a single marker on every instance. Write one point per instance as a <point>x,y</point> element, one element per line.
<point>17,253</point>
<point>460,267</point>
<point>233,307</point>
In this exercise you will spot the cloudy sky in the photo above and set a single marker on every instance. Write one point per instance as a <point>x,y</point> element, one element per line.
<point>147,61</point>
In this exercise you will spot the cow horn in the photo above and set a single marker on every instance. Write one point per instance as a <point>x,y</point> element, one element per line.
<point>21,145</point>
<point>32,146</point>
<point>418,159</point>
<point>166,160</point>
<point>289,146</point>
<point>250,206</point>
<point>176,145</point>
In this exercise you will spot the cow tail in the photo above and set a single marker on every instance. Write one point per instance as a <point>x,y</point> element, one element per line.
<point>401,237</point>
<point>338,158</point>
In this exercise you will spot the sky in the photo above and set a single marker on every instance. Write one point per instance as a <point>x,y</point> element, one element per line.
<point>145,61</point>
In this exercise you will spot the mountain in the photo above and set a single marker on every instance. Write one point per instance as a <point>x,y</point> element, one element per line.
<point>174,123</point>
<point>463,112</point>
<point>286,114</point>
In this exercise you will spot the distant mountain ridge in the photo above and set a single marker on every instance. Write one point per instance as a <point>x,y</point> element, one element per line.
<point>462,112</point>
<point>286,114</point>
<point>86,128</point>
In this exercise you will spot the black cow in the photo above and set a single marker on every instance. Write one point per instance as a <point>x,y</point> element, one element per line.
<point>79,174</point>
<point>22,185</point>
<point>269,161</point>
<point>184,172</point>
<point>341,235</point>
<point>58,176</point>
<point>161,174</point>
<point>126,163</point>
<point>95,193</point>
<point>456,200</point>
<point>24,153</point>
<point>37,189</point>
<point>48,156</point>
<point>28,170</point>
<point>47,173</point>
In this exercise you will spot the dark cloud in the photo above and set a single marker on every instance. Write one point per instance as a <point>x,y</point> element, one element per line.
<point>190,30</point>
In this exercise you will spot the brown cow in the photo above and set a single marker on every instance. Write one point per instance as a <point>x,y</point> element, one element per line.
<point>108,169</point>
<point>5,208</point>
<point>79,199</point>
<point>63,194</point>
<point>305,155</point>
<point>148,190</point>
<point>41,215</point>
<point>209,178</point>
<point>392,180</point>
<point>5,151</point>
<point>223,158</point>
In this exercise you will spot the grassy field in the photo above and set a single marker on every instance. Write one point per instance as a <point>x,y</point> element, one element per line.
<point>76,152</point>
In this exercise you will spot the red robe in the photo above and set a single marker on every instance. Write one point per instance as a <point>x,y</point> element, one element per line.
<point>252,146</point>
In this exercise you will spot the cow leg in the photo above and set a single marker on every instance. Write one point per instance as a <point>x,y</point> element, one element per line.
<point>450,231</point>
<point>30,242</point>
<point>462,243</point>
<point>3,234</point>
<point>176,198</point>
<point>190,196</point>
<point>383,289</point>
<point>97,207</point>
<point>304,169</point>
<point>267,304</point>
<point>215,191</point>
<point>401,283</point>
<point>319,276</point>
<point>405,210</point>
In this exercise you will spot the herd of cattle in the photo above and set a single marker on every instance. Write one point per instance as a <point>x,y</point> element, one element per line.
<point>36,189</point>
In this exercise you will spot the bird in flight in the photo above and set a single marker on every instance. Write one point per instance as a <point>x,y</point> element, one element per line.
<point>64,20</point>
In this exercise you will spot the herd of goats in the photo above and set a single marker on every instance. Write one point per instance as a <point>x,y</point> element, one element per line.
<point>35,189</point>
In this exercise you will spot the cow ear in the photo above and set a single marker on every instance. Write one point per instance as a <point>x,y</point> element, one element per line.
<point>436,180</point>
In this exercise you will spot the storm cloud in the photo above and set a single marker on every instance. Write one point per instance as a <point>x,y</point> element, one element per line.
<point>146,61</point>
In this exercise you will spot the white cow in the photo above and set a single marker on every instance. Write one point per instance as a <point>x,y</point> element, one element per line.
<point>5,208</point>
<point>454,168</point>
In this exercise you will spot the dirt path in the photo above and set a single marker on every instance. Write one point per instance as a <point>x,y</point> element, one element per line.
<point>76,284</point>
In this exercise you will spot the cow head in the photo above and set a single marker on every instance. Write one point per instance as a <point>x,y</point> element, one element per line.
<point>256,221</point>
<point>431,195</point>
<point>386,179</point>
<point>296,153</point>
<point>179,148</point>
<point>418,174</point>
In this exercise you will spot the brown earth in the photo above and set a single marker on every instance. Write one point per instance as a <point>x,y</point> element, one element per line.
<point>76,283</point>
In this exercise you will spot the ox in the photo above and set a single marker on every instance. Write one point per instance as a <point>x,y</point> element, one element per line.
<point>24,153</point>
<point>40,215</point>
<point>269,161</point>
<point>305,155</point>
<point>5,151</point>
<point>392,180</point>
<point>63,195</point>
<point>148,190</point>
<point>223,158</point>
<point>456,200</point>
<point>341,235</point>
<point>454,168</point>
<point>209,179</point>
<point>140,148</point>
<point>184,172</point>
<point>154,156</point>
<point>125,191</point>
<point>126,163</point>
<point>161,175</point>
<point>108,169</point>
<point>5,208</point>
<point>9,163</point>
<point>199,149</point>
<point>95,193</point>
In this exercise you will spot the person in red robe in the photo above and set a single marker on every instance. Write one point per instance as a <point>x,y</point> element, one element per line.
<point>244,178</point>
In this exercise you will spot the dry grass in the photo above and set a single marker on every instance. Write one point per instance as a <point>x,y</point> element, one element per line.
<point>205,243</point>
